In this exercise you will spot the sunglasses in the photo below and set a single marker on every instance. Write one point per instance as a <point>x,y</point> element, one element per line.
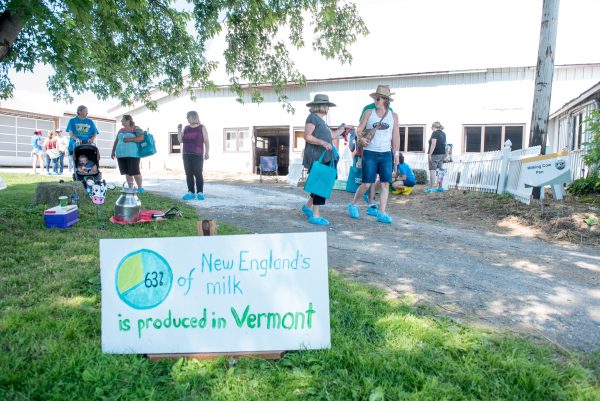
<point>380,98</point>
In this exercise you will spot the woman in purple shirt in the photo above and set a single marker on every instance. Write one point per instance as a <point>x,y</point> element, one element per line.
<point>194,148</point>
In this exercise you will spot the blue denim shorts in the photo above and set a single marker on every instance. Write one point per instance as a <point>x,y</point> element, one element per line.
<point>374,163</point>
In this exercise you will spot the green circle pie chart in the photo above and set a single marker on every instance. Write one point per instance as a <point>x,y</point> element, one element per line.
<point>143,279</point>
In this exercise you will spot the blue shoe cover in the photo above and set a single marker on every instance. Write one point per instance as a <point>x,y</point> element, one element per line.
<point>372,210</point>
<point>384,218</point>
<point>307,212</point>
<point>353,211</point>
<point>318,221</point>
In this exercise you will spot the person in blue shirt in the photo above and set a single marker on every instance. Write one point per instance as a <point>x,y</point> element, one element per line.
<point>125,150</point>
<point>403,178</point>
<point>81,128</point>
<point>36,150</point>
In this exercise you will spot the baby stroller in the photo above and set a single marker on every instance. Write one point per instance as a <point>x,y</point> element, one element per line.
<point>86,163</point>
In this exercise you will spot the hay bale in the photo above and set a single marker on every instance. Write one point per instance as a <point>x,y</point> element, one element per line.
<point>47,193</point>
<point>422,176</point>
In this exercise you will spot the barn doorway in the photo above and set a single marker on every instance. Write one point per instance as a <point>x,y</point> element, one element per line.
<point>272,141</point>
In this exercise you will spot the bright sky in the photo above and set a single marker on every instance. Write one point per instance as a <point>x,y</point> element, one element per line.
<point>408,36</point>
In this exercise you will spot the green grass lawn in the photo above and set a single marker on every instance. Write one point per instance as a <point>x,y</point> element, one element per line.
<point>381,349</point>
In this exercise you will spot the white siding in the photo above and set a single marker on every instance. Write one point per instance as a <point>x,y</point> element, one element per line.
<point>493,96</point>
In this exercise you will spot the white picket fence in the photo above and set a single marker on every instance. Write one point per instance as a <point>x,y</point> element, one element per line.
<point>485,172</point>
<point>512,180</point>
<point>578,168</point>
<point>494,172</point>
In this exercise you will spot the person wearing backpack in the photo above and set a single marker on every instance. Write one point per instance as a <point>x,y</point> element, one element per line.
<point>194,148</point>
<point>125,149</point>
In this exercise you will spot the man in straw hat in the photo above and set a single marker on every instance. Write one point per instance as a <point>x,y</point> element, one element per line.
<point>381,154</point>
<point>318,139</point>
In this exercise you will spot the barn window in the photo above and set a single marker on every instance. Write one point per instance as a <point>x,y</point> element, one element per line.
<point>412,138</point>
<point>174,145</point>
<point>487,138</point>
<point>236,140</point>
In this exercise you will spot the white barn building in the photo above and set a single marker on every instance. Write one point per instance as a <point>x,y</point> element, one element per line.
<point>17,127</point>
<point>480,109</point>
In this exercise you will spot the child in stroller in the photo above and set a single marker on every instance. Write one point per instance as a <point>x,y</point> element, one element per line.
<point>86,159</point>
<point>85,167</point>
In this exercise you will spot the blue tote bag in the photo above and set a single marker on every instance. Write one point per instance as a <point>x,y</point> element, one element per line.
<point>321,177</point>
<point>354,177</point>
<point>147,147</point>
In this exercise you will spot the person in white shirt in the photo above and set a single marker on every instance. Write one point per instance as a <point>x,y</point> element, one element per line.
<point>63,145</point>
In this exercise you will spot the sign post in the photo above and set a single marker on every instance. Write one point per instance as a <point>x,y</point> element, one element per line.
<point>215,294</point>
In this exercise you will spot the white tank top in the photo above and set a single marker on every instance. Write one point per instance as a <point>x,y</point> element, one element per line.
<point>382,142</point>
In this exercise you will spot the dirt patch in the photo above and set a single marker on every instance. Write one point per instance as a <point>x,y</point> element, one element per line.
<point>561,221</point>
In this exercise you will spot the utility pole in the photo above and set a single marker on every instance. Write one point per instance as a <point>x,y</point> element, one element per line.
<point>543,79</point>
<point>543,75</point>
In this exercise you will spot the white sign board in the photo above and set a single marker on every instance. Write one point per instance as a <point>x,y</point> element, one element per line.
<point>229,293</point>
<point>544,170</point>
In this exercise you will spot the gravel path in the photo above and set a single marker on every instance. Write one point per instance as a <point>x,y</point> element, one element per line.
<point>503,281</point>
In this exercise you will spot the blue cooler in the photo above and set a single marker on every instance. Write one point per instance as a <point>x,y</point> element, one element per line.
<point>61,217</point>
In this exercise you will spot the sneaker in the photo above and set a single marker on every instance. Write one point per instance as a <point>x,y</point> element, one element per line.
<point>307,212</point>
<point>189,196</point>
<point>141,190</point>
<point>372,210</point>
<point>440,189</point>
<point>320,221</point>
<point>430,190</point>
<point>200,196</point>
<point>384,218</point>
<point>353,211</point>
<point>396,191</point>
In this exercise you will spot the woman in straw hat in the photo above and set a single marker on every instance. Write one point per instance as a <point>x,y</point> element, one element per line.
<point>377,155</point>
<point>318,138</point>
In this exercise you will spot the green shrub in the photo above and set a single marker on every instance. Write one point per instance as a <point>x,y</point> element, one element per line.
<point>421,175</point>
<point>592,156</point>
<point>585,186</point>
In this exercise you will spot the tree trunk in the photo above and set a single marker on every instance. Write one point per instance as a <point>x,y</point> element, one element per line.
<point>10,27</point>
<point>544,74</point>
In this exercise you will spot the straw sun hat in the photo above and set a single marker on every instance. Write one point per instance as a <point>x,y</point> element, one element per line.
<point>382,90</point>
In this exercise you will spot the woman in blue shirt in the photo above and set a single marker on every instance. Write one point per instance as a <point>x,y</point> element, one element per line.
<point>125,149</point>
<point>37,152</point>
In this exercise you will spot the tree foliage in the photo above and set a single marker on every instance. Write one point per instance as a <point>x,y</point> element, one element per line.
<point>128,48</point>
<point>592,155</point>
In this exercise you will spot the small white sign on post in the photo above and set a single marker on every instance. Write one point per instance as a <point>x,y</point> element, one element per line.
<point>234,293</point>
<point>550,169</point>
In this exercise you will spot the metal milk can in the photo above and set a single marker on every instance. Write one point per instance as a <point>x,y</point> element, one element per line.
<point>128,206</point>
